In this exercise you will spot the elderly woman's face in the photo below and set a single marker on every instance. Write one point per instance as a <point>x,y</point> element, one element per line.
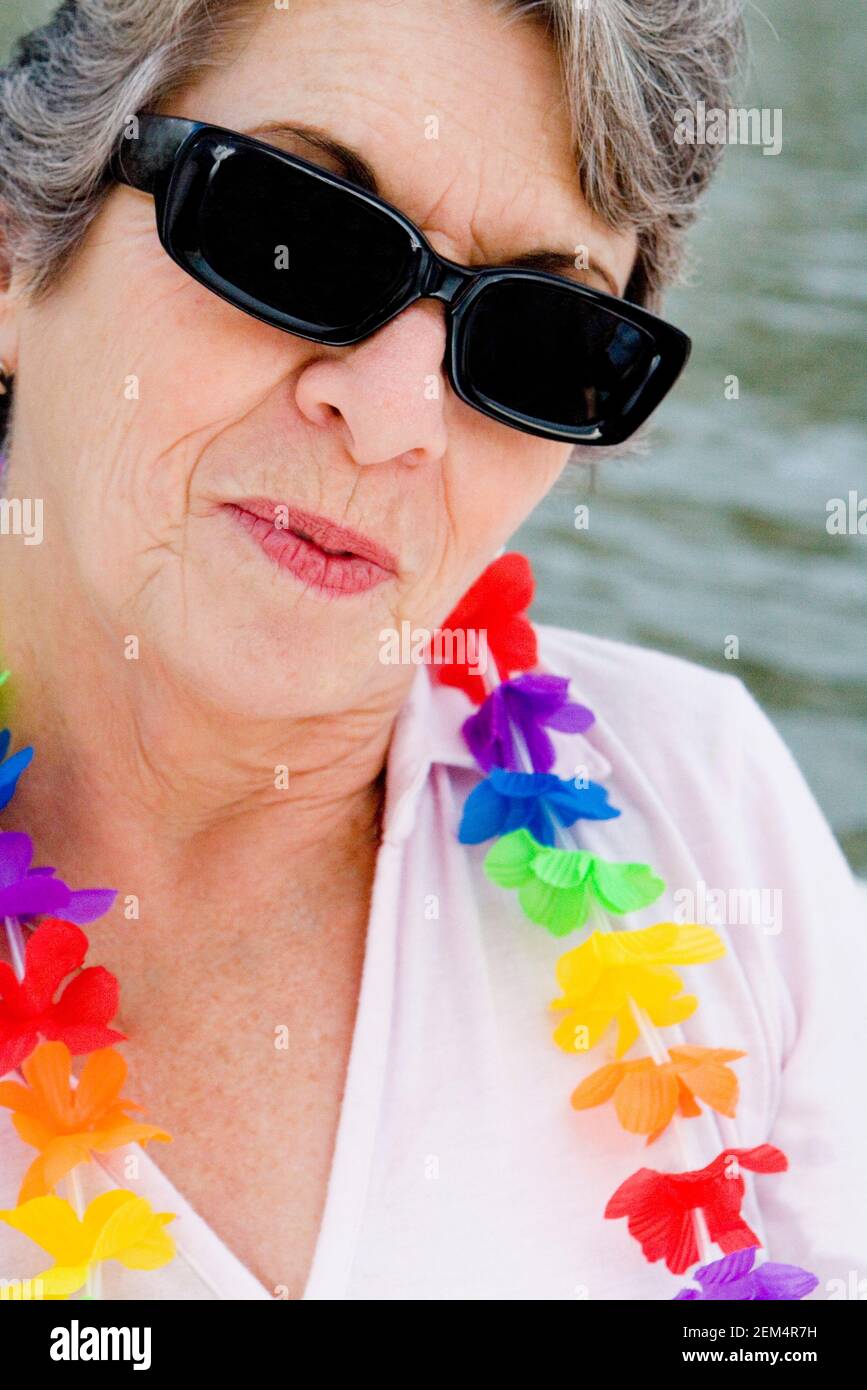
<point>149,408</point>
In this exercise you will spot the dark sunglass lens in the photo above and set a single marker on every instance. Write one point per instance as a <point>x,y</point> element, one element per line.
<point>549,356</point>
<point>297,244</point>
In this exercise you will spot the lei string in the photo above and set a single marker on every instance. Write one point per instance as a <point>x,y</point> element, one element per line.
<point>623,977</point>
<point>66,1119</point>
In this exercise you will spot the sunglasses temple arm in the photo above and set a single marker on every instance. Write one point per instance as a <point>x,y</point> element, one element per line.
<point>147,149</point>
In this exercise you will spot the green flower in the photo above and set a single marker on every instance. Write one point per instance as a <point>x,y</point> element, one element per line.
<point>556,887</point>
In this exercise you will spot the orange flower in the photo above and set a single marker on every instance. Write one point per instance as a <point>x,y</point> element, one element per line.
<point>647,1094</point>
<point>67,1125</point>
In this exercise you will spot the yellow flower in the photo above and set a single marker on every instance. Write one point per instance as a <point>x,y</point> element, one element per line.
<point>607,973</point>
<point>117,1225</point>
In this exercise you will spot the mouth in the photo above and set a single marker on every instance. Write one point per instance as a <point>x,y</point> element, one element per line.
<point>323,555</point>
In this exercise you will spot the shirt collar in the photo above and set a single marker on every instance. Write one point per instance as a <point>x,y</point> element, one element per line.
<point>428,731</point>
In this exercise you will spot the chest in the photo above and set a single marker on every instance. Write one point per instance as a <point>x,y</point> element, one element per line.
<point>250,1086</point>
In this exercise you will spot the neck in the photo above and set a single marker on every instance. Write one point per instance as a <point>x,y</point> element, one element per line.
<point>140,785</point>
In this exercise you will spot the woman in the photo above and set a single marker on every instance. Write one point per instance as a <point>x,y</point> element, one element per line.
<point>256,455</point>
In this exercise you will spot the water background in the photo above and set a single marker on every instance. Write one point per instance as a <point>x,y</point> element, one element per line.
<point>721,530</point>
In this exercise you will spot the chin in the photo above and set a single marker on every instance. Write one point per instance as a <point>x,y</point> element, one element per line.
<point>306,659</point>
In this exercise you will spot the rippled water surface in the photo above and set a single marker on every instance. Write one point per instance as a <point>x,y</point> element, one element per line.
<point>721,531</point>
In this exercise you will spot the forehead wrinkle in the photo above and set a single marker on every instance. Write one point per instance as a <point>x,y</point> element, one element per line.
<point>522,232</point>
<point>438,217</point>
<point>477,236</point>
<point>507,238</point>
<point>466,145</point>
<point>511,239</point>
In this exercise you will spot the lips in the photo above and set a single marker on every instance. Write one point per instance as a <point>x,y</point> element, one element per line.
<point>317,551</point>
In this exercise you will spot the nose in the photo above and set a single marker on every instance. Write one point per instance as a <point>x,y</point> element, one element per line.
<point>385,395</point>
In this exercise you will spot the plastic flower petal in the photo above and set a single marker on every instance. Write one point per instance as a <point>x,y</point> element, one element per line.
<point>88,904</point>
<point>507,801</point>
<point>733,1277</point>
<point>117,1225</point>
<point>21,892</point>
<point>11,768</point>
<point>67,1124</point>
<point>556,887</point>
<point>495,604</point>
<point>528,704</point>
<point>648,1094</point>
<point>26,892</point>
<point>659,1206</point>
<point>28,1010</point>
<point>607,973</point>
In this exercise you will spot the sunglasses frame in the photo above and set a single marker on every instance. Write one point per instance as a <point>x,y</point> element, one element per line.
<point>160,159</point>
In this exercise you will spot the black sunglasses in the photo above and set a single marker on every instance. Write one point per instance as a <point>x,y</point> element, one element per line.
<point>307,251</point>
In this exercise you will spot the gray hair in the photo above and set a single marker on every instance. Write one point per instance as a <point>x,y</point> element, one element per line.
<point>627,66</point>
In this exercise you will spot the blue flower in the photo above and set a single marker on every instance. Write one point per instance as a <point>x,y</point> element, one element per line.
<point>12,769</point>
<point>507,801</point>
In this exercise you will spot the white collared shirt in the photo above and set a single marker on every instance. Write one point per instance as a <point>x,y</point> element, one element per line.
<point>460,1169</point>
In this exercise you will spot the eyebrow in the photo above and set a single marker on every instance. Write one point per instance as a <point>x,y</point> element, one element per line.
<point>357,170</point>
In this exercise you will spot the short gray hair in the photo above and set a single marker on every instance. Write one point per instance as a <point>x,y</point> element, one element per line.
<point>627,65</point>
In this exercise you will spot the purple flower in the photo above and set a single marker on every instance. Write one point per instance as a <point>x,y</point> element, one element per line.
<point>26,892</point>
<point>733,1277</point>
<point>529,703</point>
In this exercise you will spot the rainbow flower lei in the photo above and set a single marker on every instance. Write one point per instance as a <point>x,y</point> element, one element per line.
<point>622,979</point>
<point>615,979</point>
<point>67,1119</point>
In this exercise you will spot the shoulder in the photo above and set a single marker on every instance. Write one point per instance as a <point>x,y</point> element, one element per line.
<point>658,708</point>
<point>696,743</point>
<point>623,669</point>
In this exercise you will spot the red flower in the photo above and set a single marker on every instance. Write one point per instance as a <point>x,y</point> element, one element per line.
<point>27,1008</point>
<point>495,604</point>
<point>660,1205</point>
